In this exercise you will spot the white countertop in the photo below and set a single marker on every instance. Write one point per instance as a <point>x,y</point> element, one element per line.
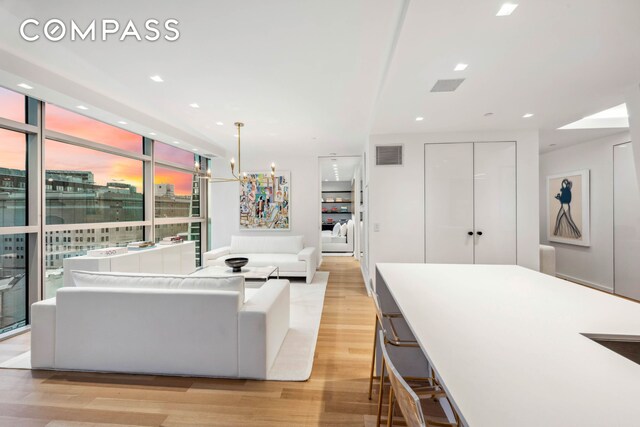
<point>507,343</point>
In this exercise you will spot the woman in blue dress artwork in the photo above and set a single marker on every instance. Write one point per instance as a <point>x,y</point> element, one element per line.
<point>565,226</point>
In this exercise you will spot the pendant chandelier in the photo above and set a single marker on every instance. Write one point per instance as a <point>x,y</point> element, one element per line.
<point>240,175</point>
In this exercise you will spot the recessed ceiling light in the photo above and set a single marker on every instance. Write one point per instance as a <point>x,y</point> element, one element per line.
<point>526,116</point>
<point>194,149</point>
<point>194,105</point>
<point>235,136</point>
<point>81,107</point>
<point>25,86</point>
<point>461,67</point>
<point>152,133</point>
<point>156,79</point>
<point>122,122</point>
<point>507,9</point>
<point>176,142</point>
<point>220,123</point>
<point>419,119</point>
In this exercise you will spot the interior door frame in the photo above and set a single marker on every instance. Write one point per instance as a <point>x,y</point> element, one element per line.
<point>613,209</point>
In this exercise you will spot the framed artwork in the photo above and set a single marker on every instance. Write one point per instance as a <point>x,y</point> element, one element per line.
<point>568,208</point>
<point>265,203</point>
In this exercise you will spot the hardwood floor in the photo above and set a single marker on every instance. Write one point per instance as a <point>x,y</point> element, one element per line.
<point>336,394</point>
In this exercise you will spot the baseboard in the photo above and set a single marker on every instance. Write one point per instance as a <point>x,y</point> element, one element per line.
<point>584,282</point>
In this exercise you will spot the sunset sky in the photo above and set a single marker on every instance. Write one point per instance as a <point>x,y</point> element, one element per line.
<point>105,167</point>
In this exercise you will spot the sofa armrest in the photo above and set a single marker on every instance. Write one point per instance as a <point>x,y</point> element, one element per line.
<point>215,254</point>
<point>309,255</point>
<point>43,334</point>
<point>263,323</point>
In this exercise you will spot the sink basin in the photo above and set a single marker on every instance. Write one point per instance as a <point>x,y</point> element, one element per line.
<point>625,345</point>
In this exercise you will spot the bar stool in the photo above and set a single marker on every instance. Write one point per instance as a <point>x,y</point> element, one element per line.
<point>421,405</point>
<point>389,318</point>
<point>389,335</point>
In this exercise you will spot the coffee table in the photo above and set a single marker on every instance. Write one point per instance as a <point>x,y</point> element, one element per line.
<point>249,273</point>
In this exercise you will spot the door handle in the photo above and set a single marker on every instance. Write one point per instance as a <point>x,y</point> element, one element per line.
<point>470,233</point>
<point>479,233</point>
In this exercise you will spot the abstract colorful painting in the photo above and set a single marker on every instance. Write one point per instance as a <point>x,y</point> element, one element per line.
<point>265,204</point>
<point>568,208</point>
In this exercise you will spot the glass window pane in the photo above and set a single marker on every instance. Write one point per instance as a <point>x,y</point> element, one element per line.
<point>167,153</point>
<point>177,194</point>
<point>60,120</point>
<point>13,281</point>
<point>71,243</point>
<point>188,231</point>
<point>12,105</point>
<point>85,185</point>
<point>13,178</point>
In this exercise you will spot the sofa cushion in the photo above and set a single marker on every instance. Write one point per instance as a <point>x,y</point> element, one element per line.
<point>87,279</point>
<point>266,244</point>
<point>92,279</point>
<point>287,262</point>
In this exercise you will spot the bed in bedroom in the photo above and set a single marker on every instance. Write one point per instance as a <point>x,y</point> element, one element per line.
<point>340,239</point>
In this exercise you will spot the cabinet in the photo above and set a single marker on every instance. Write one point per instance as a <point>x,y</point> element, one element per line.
<point>470,203</point>
<point>179,259</point>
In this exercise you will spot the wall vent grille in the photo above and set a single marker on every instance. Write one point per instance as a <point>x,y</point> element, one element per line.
<point>389,155</point>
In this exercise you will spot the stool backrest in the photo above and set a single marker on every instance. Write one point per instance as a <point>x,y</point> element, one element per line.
<point>407,399</point>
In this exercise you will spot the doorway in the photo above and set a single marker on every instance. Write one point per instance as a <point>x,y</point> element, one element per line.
<point>341,206</point>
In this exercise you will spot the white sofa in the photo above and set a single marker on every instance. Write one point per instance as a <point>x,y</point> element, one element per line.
<point>286,252</point>
<point>168,325</point>
<point>338,243</point>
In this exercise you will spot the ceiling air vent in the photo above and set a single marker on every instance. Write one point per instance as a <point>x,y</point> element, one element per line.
<point>448,85</point>
<point>389,155</point>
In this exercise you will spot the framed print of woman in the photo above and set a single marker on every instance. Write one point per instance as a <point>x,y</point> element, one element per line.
<point>568,208</point>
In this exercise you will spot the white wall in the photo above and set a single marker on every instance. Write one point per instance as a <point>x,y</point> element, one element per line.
<point>591,265</point>
<point>304,203</point>
<point>396,196</point>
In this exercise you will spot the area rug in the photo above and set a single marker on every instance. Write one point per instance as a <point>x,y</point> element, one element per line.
<point>295,358</point>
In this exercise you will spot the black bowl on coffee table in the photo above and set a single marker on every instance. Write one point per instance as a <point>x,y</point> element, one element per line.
<point>236,263</point>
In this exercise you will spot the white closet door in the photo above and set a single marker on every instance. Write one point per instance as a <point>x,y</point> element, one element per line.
<point>449,203</point>
<point>626,232</point>
<point>495,202</point>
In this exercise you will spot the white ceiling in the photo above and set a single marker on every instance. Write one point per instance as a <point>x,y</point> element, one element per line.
<point>345,166</point>
<point>309,77</point>
<point>302,75</point>
<point>560,60</point>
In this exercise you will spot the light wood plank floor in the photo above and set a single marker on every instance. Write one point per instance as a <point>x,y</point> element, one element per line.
<point>336,394</point>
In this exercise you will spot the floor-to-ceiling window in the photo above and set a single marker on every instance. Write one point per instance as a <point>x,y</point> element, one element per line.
<point>94,186</point>
<point>178,202</point>
<point>69,184</point>
<point>16,228</point>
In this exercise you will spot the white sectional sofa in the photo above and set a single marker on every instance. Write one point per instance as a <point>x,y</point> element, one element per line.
<point>286,252</point>
<point>162,324</point>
